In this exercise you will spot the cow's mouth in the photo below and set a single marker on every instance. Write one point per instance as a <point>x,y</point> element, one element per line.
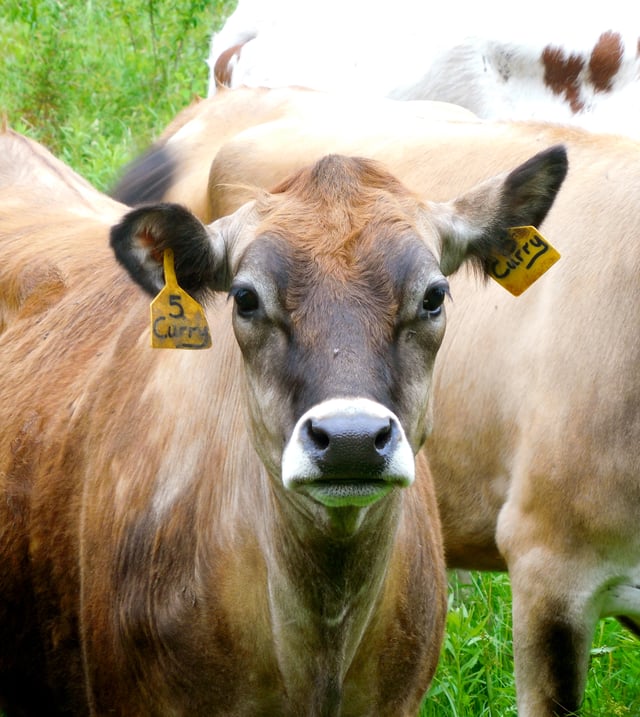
<point>348,493</point>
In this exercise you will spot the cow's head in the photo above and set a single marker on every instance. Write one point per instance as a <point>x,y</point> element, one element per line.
<point>338,281</point>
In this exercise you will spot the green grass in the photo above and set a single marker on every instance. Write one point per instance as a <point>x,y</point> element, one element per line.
<point>96,81</point>
<point>475,673</point>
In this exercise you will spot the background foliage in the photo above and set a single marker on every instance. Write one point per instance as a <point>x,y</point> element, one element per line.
<point>95,81</point>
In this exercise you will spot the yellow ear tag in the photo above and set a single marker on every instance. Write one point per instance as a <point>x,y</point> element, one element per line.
<point>177,320</point>
<point>530,257</point>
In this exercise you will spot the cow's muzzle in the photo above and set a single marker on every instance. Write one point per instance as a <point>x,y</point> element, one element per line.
<point>346,452</point>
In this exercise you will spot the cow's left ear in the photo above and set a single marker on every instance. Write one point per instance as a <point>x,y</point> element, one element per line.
<point>203,255</point>
<point>474,226</point>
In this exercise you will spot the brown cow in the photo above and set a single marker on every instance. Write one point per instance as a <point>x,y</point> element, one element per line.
<point>534,451</point>
<point>233,531</point>
<point>176,166</point>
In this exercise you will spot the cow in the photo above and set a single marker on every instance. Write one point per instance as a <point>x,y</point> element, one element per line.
<point>243,530</point>
<point>499,60</point>
<point>534,447</point>
<point>593,81</point>
<point>176,166</point>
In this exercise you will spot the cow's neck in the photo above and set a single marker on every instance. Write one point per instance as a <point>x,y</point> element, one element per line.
<point>325,587</point>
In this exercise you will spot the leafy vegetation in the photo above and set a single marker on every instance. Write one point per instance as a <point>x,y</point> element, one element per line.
<point>95,81</point>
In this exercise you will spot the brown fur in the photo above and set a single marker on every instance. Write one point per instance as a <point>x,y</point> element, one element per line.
<point>223,68</point>
<point>534,450</point>
<point>564,75</point>
<point>605,60</point>
<point>344,210</point>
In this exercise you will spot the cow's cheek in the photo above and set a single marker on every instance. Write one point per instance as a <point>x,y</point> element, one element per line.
<point>416,356</point>
<point>268,403</point>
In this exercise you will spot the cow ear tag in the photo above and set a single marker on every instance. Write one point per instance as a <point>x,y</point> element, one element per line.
<point>177,319</point>
<point>530,256</point>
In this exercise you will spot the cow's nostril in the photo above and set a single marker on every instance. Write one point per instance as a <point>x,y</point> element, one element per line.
<point>383,437</point>
<point>319,437</point>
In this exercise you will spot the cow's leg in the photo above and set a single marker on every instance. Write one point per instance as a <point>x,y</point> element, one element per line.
<point>553,628</point>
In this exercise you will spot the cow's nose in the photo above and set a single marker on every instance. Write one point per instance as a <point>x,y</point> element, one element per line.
<point>347,451</point>
<point>356,442</point>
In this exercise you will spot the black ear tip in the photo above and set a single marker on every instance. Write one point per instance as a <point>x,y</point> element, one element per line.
<point>120,236</point>
<point>160,219</point>
<point>122,244</point>
<point>544,172</point>
<point>558,159</point>
<point>162,215</point>
<point>556,162</point>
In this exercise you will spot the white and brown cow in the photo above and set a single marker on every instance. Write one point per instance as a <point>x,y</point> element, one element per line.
<point>243,530</point>
<point>500,59</point>
<point>537,421</point>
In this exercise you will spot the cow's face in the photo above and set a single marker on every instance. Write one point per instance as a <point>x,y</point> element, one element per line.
<point>339,312</point>
<point>338,354</point>
<point>338,284</point>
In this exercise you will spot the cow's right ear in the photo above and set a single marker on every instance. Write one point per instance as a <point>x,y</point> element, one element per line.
<point>475,226</point>
<point>200,255</point>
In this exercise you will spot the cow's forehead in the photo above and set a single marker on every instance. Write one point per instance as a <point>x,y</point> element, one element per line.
<point>342,213</point>
<point>334,200</point>
<point>292,263</point>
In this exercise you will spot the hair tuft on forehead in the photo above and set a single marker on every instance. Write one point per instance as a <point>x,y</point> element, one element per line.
<point>332,207</point>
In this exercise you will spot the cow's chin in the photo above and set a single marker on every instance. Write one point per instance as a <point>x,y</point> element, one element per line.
<point>341,507</point>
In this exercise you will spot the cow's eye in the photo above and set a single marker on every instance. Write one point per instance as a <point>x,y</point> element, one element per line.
<point>247,302</point>
<point>433,299</point>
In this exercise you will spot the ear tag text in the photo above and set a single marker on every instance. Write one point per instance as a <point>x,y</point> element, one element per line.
<point>177,319</point>
<point>530,256</point>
